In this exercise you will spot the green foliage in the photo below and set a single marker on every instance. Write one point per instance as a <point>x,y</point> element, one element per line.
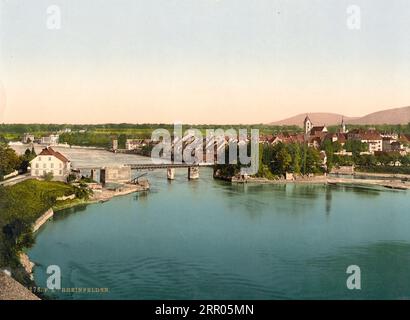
<point>100,135</point>
<point>71,178</point>
<point>383,162</point>
<point>122,138</point>
<point>3,140</point>
<point>404,128</point>
<point>281,159</point>
<point>330,148</point>
<point>342,160</point>
<point>9,160</point>
<point>102,140</point>
<point>295,158</point>
<point>385,169</point>
<point>313,163</point>
<point>82,191</point>
<point>48,176</point>
<point>356,146</point>
<point>20,206</point>
<point>26,158</point>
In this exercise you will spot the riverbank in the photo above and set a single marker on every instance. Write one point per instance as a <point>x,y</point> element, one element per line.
<point>382,175</point>
<point>298,180</point>
<point>395,182</point>
<point>390,184</point>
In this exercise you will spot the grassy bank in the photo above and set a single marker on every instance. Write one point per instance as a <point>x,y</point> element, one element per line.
<point>20,206</point>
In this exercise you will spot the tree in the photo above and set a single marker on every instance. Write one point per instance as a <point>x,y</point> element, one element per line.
<point>122,139</point>
<point>296,155</point>
<point>281,160</point>
<point>26,158</point>
<point>356,146</point>
<point>9,160</point>
<point>71,178</point>
<point>313,161</point>
<point>82,191</point>
<point>366,160</point>
<point>329,147</point>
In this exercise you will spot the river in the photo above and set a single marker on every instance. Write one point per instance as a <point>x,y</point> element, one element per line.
<point>209,239</point>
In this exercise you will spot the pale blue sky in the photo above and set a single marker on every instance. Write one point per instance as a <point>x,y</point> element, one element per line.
<point>201,60</point>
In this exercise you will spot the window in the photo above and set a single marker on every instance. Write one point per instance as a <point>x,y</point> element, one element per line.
<point>36,172</point>
<point>44,166</point>
<point>39,158</point>
<point>49,158</point>
<point>61,165</point>
<point>37,165</point>
<point>52,165</point>
<point>61,172</point>
<point>44,172</point>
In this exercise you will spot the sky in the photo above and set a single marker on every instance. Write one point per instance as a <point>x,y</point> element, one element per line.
<point>200,61</point>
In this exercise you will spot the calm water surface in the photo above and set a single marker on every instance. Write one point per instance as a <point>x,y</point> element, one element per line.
<point>208,239</point>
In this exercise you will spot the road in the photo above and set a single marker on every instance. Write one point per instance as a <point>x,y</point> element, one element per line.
<point>17,179</point>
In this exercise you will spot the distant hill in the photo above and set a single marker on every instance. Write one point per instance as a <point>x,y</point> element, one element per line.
<point>318,118</point>
<point>389,116</point>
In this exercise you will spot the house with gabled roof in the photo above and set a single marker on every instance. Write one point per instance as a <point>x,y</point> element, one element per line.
<point>50,161</point>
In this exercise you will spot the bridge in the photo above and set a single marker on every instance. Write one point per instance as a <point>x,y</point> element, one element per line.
<point>153,166</point>
<point>122,173</point>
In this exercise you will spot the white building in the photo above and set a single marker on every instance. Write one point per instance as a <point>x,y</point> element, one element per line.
<point>307,124</point>
<point>132,144</point>
<point>374,141</point>
<point>50,161</point>
<point>52,139</point>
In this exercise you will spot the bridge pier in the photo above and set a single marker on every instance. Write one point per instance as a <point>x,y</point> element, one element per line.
<point>193,173</point>
<point>171,173</point>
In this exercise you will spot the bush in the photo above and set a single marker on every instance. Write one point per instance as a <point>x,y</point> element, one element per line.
<point>48,176</point>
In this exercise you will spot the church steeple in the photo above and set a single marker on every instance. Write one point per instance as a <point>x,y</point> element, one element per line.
<point>307,125</point>
<point>343,126</point>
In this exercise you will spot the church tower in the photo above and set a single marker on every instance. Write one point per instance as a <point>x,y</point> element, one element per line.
<point>307,124</point>
<point>343,126</point>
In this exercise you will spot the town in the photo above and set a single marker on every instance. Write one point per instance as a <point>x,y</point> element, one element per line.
<point>337,150</point>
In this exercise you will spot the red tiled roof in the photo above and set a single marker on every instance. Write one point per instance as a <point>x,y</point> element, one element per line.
<point>370,136</point>
<point>50,152</point>
<point>405,137</point>
<point>341,137</point>
<point>318,128</point>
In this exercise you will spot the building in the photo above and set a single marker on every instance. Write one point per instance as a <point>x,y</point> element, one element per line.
<point>386,144</point>
<point>133,144</point>
<point>50,161</point>
<point>317,130</point>
<point>342,128</point>
<point>337,137</point>
<point>118,174</point>
<point>371,137</point>
<point>307,125</point>
<point>28,138</point>
<point>52,139</point>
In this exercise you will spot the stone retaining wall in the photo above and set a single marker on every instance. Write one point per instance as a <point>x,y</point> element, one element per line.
<point>43,219</point>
